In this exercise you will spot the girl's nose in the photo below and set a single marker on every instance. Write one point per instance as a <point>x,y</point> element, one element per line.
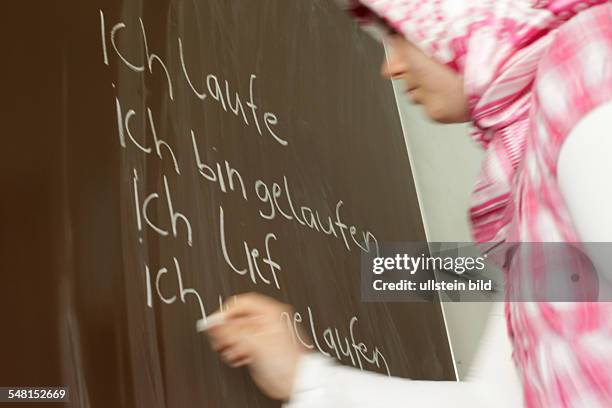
<point>393,67</point>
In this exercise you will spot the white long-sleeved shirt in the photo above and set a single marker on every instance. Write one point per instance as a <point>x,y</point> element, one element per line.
<point>492,382</point>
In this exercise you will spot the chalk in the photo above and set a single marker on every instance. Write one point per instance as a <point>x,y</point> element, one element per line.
<point>212,321</point>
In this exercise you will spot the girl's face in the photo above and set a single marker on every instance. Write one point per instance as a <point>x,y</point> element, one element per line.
<point>427,82</point>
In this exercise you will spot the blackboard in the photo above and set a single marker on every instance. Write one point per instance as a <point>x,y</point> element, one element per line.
<point>267,127</point>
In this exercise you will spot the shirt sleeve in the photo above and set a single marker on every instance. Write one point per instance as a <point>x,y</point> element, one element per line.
<point>321,383</point>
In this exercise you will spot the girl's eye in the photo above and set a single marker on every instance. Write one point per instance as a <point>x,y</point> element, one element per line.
<point>392,31</point>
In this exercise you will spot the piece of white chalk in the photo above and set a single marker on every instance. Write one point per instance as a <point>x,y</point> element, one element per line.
<point>210,322</point>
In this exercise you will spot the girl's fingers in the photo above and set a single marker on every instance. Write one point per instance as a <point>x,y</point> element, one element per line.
<point>243,306</point>
<point>232,333</point>
<point>237,356</point>
<point>248,305</point>
<point>246,321</point>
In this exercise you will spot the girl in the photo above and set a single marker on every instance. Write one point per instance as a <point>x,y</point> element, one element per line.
<point>535,79</point>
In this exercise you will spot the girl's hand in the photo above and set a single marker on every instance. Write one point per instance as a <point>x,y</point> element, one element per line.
<point>252,334</point>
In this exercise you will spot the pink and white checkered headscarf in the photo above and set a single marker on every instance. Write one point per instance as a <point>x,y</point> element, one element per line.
<point>496,45</point>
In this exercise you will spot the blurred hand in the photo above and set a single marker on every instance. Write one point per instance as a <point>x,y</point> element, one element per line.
<point>252,334</point>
